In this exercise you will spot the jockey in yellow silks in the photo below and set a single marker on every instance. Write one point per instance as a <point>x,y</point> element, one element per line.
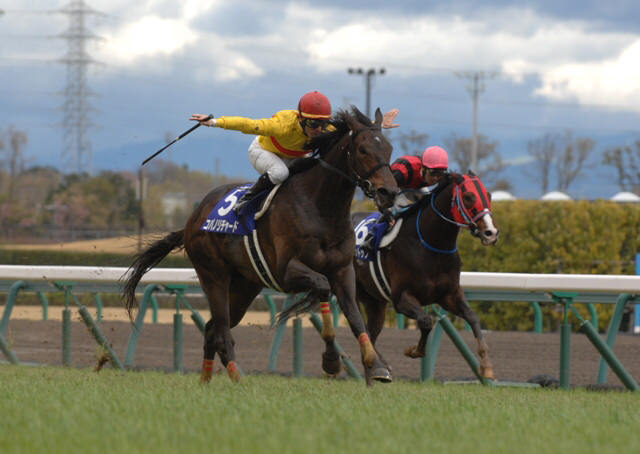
<point>281,138</point>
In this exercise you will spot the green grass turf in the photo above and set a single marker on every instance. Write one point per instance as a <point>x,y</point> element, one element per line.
<point>57,410</point>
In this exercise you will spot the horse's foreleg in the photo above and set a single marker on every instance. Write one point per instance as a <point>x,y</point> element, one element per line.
<point>409,306</point>
<point>330,357</point>
<point>462,309</point>
<point>376,311</point>
<point>299,277</point>
<point>344,286</point>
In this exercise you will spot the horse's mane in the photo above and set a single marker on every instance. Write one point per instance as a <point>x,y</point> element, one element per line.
<point>321,144</point>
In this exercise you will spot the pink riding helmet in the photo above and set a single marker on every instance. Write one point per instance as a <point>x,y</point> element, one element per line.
<point>435,158</point>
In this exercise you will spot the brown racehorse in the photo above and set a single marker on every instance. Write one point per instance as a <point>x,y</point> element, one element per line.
<point>422,265</point>
<point>305,237</point>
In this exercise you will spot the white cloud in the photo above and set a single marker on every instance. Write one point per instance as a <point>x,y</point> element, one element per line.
<point>147,37</point>
<point>610,81</point>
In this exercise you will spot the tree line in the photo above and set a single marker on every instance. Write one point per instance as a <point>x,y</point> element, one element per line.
<point>38,200</point>
<point>562,155</point>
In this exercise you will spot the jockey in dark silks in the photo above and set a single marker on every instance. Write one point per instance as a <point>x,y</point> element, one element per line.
<point>281,138</point>
<point>414,172</point>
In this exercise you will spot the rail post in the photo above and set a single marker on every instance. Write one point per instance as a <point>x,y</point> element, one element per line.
<point>99,306</point>
<point>45,305</point>
<point>537,317</point>
<point>99,337</point>
<point>566,299</point>
<point>298,363</point>
<point>606,353</point>
<point>137,325</point>
<point>11,301</point>
<point>428,362</point>
<point>281,326</point>
<point>66,322</point>
<point>612,333</point>
<point>178,360</point>
<point>272,309</point>
<point>8,353</point>
<point>333,304</point>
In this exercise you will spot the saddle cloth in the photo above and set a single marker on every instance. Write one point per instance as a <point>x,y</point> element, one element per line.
<point>381,238</point>
<point>223,219</point>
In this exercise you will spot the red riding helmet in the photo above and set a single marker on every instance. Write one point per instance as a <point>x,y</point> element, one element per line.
<point>314,105</point>
<point>435,158</point>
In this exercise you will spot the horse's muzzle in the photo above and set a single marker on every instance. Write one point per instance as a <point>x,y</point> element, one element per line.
<point>384,198</point>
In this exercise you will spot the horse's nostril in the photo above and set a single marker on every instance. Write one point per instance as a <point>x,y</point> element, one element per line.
<point>383,192</point>
<point>488,233</point>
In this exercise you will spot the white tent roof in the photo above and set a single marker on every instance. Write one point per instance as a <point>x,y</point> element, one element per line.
<point>626,197</point>
<point>498,196</point>
<point>555,196</point>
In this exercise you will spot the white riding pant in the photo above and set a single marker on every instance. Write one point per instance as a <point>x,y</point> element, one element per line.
<point>265,161</point>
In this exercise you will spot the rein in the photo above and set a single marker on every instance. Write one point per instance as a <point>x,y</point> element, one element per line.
<point>361,181</point>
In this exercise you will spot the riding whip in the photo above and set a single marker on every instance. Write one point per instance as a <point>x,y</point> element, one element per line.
<point>175,140</point>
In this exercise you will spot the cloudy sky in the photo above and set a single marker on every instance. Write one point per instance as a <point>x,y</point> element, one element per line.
<point>549,66</point>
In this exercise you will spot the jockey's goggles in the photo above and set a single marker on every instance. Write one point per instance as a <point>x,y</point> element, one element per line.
<point>435,172</point>
<point>313,124</point>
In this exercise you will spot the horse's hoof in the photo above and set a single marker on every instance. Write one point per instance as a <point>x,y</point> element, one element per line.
<point>381,374</point>
<point>233,372</point>
<point>412,352</point>
<point>330,376</point>
<point>331,363</point>
<point>487,373</point>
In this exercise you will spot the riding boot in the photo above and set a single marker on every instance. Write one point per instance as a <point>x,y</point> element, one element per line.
<point>367,243</point>
<point>262,184</point>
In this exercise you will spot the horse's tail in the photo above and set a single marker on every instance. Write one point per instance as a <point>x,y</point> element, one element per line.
<point>146,260</point>
<point>308,303</point>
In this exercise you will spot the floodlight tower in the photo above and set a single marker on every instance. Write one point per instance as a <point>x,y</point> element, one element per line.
<point>76,107</point>
<point>368,75</point>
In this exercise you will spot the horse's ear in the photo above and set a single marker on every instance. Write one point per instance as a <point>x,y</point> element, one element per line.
<point>471,173</point>
<point>352,120</point>
<point>457,177</point>
<point>378,122</point>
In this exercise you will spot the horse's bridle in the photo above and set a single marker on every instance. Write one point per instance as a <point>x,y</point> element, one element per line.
<point>470,220</point>
<point>362,181</point>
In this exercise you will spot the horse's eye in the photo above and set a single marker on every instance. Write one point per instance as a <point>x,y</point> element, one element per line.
<point>469,199</point>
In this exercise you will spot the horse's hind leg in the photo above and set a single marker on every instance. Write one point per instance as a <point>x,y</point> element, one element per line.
<point>218,333</point>
<point>408,305</point>
<point>462,309</point>
<point>209,353</point>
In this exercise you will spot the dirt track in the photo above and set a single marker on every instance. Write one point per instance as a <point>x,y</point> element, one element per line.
<point>516,356</point>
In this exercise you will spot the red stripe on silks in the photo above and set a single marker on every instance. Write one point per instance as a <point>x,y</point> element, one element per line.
<point>363,338</point>
<point>324,308</point>
<point>283,150</point>
<point>207,365</point>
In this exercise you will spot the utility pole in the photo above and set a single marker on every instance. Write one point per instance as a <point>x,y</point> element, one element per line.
<point>368,75</point>
<point>475,87</point>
